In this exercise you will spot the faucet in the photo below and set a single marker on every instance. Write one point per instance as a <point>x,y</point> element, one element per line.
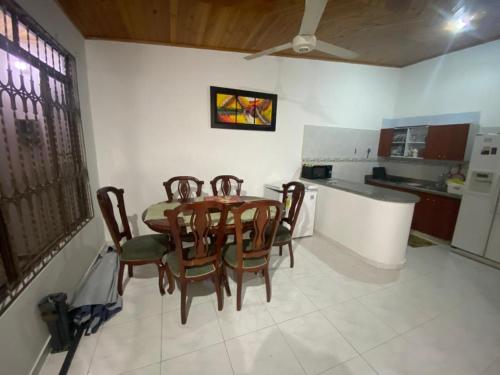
<point>441,183</point>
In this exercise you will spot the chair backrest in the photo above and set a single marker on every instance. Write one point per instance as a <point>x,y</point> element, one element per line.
<point>108,213</point>
<point>206,221</point>
<point>294,191</point>
<point>226,183</point>
<point>186,185</point>
<point>263,221</point>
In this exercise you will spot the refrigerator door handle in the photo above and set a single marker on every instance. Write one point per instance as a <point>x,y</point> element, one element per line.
<point>495,197</point>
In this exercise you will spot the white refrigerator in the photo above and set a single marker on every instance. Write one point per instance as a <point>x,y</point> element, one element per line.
<point>478,224</point>
<point>305,222</point>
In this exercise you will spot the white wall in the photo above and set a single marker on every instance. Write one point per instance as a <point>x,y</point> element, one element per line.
<point>151,110</point>
<point>23,334</point>
<point>463,81</point>
<point>150,107</point>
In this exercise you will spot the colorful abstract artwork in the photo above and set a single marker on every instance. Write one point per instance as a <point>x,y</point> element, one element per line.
<point>238,109</point>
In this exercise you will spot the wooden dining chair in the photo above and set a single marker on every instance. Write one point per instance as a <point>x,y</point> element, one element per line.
<point>250,253</point>
<point>201,260</point>
<point>134,251</point>
<point>186,187</point>
<point>226,183</point>
<point>293,195</point>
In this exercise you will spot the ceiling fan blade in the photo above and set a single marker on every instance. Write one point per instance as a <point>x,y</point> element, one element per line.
<point>269,51</point>
<point>312,14</point>
<point>335,50</point>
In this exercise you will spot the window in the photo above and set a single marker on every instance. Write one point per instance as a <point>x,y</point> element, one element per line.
<point>44,192</point>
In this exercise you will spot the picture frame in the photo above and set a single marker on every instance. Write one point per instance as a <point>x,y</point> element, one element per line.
<point>242,109</point>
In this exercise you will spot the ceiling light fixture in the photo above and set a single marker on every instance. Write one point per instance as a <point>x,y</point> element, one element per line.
<point>460,21</point>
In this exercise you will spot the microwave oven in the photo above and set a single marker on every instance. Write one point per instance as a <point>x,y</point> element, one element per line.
<point>316,172</point>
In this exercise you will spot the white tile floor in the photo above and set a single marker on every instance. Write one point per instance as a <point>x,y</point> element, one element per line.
<point>332,314</point>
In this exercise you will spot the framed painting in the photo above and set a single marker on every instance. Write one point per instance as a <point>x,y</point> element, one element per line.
<point>240,109</point>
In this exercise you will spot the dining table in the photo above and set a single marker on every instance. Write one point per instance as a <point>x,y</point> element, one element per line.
<point>154,216</point>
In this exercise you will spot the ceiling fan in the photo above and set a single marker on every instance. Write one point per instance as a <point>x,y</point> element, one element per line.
<point>306,41</point>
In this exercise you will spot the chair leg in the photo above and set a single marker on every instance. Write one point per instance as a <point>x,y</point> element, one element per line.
<point>239,282</point>
<point>120,278</point>
<point>290,250</point>
<point>220,295</point>
<point>183,300</point>
<point>161,272</point>
<point>130,270</point>
<point>225,281</point>
<point>281,250</point>
<point>268,283</point>
<point>170,278</point>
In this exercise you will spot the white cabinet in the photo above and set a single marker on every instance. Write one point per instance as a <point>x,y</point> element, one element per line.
<point>305,222</point>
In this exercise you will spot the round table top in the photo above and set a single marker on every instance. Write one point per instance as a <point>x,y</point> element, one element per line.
<point>155,219</point>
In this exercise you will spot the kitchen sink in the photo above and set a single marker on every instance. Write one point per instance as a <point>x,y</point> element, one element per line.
<point>427,185</point>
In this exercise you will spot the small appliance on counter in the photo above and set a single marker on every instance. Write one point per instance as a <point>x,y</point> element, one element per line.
<point>305,222</point>
<point>478,225</point>
<point>316,171</point>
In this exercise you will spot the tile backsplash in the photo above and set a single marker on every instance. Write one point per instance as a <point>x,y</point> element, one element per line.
<point>329,143</point>
<point>353,154</point>
<point>353,170</point>
<point>420,170</point>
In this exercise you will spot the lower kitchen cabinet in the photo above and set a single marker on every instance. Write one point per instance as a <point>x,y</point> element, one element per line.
<point>435,215</point>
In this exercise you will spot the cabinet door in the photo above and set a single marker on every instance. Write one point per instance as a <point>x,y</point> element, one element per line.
<point>446,142</point>
<point>418,213</point>
<point>458,140</point>
<point>423,217</point>
<point>445,217</point>
<point>385,141</point>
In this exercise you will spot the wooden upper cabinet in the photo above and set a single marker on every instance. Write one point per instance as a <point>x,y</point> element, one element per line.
<point>446,142</point>
<point>385,141</point>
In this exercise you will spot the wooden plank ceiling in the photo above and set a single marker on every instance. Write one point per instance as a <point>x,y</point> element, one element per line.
<point>383,32</point>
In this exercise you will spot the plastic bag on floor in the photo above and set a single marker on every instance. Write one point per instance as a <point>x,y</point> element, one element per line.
<point>96,299</point>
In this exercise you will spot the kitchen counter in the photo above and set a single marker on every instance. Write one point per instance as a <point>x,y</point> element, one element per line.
<point>369,191</point>
<point>372,222</point>
<point>423,186</point>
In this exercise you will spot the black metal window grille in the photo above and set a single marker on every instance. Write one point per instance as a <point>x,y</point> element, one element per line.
<point>44,192</point>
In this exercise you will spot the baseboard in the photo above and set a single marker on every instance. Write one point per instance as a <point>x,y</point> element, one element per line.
<point>476,258</point>
<point>428,237</point>
<point>37,367</point>
<point>40,360</point>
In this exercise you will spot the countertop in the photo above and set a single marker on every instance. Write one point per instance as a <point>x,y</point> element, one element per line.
<point>423,186</point>
<point>370,191</point>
